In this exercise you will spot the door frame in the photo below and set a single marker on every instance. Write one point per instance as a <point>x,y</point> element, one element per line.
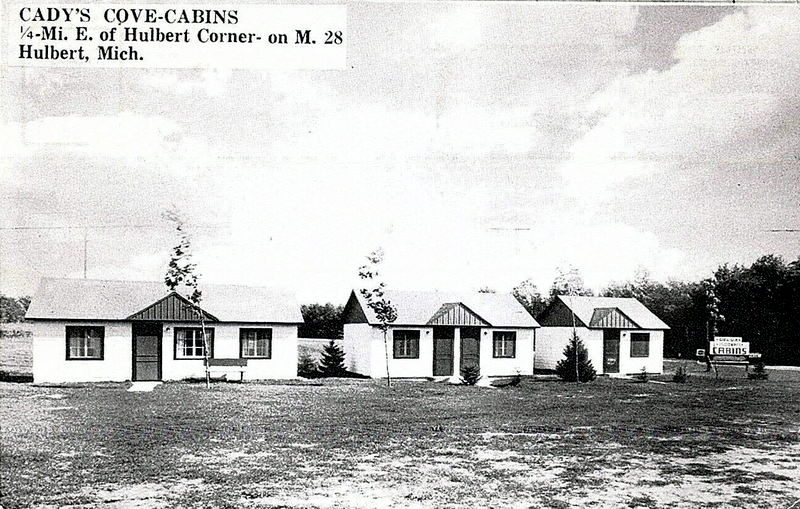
<point>452,349</point>
<point>137,330</point>
<point>473,333</point>
<point>607,339</point>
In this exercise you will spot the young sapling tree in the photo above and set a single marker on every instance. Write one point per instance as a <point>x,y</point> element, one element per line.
<point>374,294</point>
<point>182,276</point>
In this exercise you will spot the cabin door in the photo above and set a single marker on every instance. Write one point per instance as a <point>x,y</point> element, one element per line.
<point>146,352</point>
<point>443,351</point>
<point>610,350</point>
<point>470,346</point>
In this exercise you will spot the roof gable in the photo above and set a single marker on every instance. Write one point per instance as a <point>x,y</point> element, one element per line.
<point>353,312</point>
<point>627,307</point>
<point>557,314</point>
<point>456,313</point>
<point>172,308</point>
<point>611,318</point>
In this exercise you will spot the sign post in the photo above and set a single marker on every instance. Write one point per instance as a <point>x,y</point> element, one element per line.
<point>729,350</point>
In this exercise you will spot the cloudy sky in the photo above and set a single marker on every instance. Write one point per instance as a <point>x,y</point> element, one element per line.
<point>478,144</point>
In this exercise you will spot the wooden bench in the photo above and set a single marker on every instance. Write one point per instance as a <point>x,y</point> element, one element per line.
<point>736,360</point>
<point>216,365</point>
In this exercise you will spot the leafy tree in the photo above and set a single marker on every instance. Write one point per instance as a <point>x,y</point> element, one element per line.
<point>761,303</point>
<point>567,369</point>
<point>332,363</point>
<point>322,321</point>
<point>681,305</point>
<point>13,309</point>
<point>569,282</point>
<point>384,310</point>
<point>528,295</point>
<point>486,289</point>
<point>181,276</point>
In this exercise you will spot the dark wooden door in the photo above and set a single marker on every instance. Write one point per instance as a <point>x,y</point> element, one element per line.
<point>443,351</point>
<point>470,347</point>
<point>146,355</point>
<point>610,351</point>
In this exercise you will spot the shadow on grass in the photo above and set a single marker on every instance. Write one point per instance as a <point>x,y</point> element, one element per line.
<point>17,378</point>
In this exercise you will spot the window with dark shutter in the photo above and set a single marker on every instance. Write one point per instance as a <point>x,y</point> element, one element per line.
<point>640,344</point>
<point>255,343</point>
<point>189,343</point>
<point>85,343</point>
<point>406,344</point>
<point>505,344</point>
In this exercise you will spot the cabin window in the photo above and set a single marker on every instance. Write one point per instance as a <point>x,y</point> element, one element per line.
<point>640,344</point>
<point>189,343</point>
<point>505,344</point>
<point>406,344</point>
<point>85,343</point>
<point>255,343</point>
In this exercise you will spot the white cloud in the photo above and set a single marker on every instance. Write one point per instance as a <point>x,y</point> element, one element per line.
<point>729,81</point>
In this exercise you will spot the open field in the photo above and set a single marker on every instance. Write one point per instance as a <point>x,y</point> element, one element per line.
<point>16,349</point>
<point>347,443</point>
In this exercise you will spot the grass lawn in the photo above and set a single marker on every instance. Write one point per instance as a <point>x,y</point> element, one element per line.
<point>730,442</point>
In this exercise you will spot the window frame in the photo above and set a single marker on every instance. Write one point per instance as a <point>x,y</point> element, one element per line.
<point>498,339</point>
<point>102,338</point>
<point>209,331</point>
<point>639,342</point>
<point>414,354</point>
<point>242,339</point>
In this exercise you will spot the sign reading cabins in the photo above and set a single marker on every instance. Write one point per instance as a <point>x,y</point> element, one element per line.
<point>729,345</point>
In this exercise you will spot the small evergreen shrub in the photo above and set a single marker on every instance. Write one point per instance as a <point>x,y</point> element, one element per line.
<point>470,374</point>
<point>680,376</point>
<point>332,363</point>
<point>759,373</point>
<point>565,369</point>
<point>307,367</point>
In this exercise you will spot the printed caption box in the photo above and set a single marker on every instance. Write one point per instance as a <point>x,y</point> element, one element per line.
<point>178,36</point>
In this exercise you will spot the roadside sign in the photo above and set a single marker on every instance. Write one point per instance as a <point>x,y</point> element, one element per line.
<point>728,339</point>
<point>729,347</point>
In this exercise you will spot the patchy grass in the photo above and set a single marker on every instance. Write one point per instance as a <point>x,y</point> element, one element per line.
<point>356,443</point>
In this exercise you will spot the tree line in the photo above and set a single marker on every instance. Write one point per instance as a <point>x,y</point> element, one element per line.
<point>759,302</point>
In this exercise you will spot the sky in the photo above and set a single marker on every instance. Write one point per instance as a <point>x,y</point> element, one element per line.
<point>477,144</point>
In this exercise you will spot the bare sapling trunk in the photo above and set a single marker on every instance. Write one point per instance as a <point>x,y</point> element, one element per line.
<point>386,354</point>
<point>206,350</point>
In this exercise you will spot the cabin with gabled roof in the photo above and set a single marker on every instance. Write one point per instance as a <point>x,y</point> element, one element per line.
<point>437,333</point>
<point>621,335</point>
<point>88,330</point>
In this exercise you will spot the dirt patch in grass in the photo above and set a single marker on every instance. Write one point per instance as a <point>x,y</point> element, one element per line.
<point>348,443</point>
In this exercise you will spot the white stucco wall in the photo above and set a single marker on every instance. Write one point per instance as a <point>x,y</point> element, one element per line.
<point>654,363</point>
<point>365,353</point>
<point>522,362</point>
<point>283,363</point>
<point>357,346</point>
<point>50,364</point>
<point>404,368</point>
<point>551,341</point>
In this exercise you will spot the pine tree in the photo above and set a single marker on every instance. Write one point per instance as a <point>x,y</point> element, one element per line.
<point>332,363</point>
<point>565,368</point>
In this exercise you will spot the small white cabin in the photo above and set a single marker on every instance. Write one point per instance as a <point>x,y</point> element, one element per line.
<point>436,334</point>
<point>621,335</point>
<point>92,330</point>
